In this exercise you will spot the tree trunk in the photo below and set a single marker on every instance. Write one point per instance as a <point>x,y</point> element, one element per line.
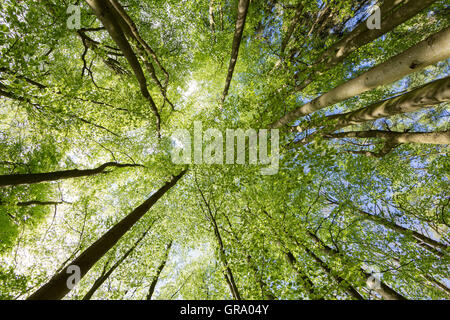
<point>287,37</point>
<point>427,52</point>
<point>430,94</point>
<point>348,287</point>
<point>212,23</point>
<point>57,287</point>
<point>111,19</point>
<point>266,293</point>
<point>384,290</point>
<point>30,178</point>
<point>240,24</point>
<point>361,35</point>
<point>393,137</point>
<point>388,147</point>
<point>438,284</point>
<point>305,281</point>
<point>432,244</point>
<point>36,203</point>
<point>158,271</point>
<point>229,278</point>
<point>131,30</point>
<point>106,275</point>
<point>426,242</point>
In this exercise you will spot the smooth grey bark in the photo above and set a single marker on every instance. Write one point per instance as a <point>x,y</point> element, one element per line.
<point>429,51</point>
<point>423,97</point>
<point>57,288</point>
<point>393,13</point>
<point>240,24</point>
<point>393,137</point>
<point>228,274</point>
<point>388,147</point>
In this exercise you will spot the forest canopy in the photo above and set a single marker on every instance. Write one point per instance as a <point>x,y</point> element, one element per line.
<point>314,134</point>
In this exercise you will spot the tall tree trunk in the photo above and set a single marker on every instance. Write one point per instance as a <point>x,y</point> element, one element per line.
<point>106,275</point>
<point>384,290</point>
<point>229,278</point>
<point>438,284</point>
<point>349,288</point>
<point>294,22</point>
<point>30,178</point>
<point>158,271</point>
<point>306,283</point>
<point>266,293</point>
<point>419,238</point>
<point>433,49</point>
<point>346,285</point>
<point>142,47</point>
<point>393,137</point>
<point>36,203</point>
<point>387,147</point>
<point>57,287</point>
<point>361,35</point>
<point>430,94</point>
<point>131,30</point>
<point>240,24</point>
<point>212,23</point>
